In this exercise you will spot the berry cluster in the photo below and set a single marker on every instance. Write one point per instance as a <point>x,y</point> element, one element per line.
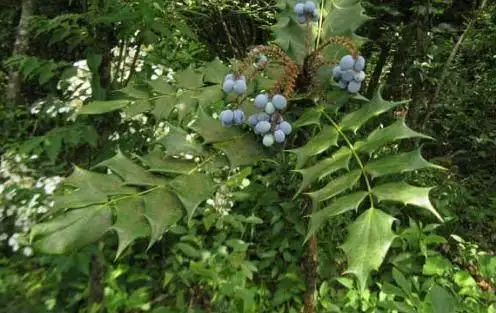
<point>230,117</point>
<point>349,73</point>
<point>270,123</point>
<point>234,83</point>
<point>306,11</point>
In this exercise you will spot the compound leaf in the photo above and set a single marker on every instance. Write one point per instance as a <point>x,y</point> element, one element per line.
<point>336,186</point>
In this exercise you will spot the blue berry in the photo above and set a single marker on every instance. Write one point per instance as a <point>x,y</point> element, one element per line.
<point>359,64</point>
<point>262,127</point>
<point>285,127</point>
<point>346,63</point>
<point>302,19</point>
<point>261,100</point>
<point>240,87</point>
<point>348,75</point>
<point>253,120</point>
<point>309,7</point>
<point>263,117</point>
<point>226,118</point>
<point>299,9</point>
<point>229,76</point>
<point>239,117</point>
<point>279,136</point>
<point>279,101</point>
<point>268,140</point>
<point>354,86</point>
<point>336,72</point>
<point>269,108</point>
<point>228,86</point>
<point>343,84</point>
<point>359,77</point>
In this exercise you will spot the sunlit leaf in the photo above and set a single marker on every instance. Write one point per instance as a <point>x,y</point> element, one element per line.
<point>179,141</point>
<point>242,151</point>
<point>163,106</point>
<point>215,72</point>
<point>382,136</point>
<point>369,239</point>
<point>399,163</point>
<point>158,162</point>
<point>211,130</point>
<point>406,194</point>
<point>309,117</point>
<point>189,79</point>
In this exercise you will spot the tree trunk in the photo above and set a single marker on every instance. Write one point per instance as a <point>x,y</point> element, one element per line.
<point>21,46</point>
<point>96,283</point>
<point>376,75</point>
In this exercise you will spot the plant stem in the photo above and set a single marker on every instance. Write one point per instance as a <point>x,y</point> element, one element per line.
<point>355,155</point>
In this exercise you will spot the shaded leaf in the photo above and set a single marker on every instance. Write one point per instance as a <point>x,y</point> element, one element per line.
<point>210,95</point>
<point>242,151</point>
<point>399,163</point>
<point>353,121</point>
<point>309,117</point>
<point>177,141</point>
<point>156,161</point>
<point>336,186</point>
<point>192,190</point>
<point>100,107</point>
<point>72,230</point>
<point>406,194</point>
<point>369,239</point>
<point>382,136</point>
<point>130,223</point>
<point>163,106</point>
<point>162,210</point>
<point>162,86</point>
<point>132,173</point>
<point>215,72</point>
<point>339,206</point>
<point>211,130</point>
<point>325,139</point>
<point>439,300</point>
<point>189,79</point>
<point>290,35</point>
<point>137,107</point>
<point>339,160</point>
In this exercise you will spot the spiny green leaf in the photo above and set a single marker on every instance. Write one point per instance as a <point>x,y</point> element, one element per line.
<point>339,160</point>
<point>130,223</point>
<point>336,186</point>
<point>290,35</point>
<point>93,188</point>
<point>343,19</point>
<point>162,86</point>
<point>132,173</point>
<point>163,106</point>
<point>211,130</point>
<point>135,91</point>
<point>137,107</point>
<point>72,230</point>
<point>215,72</point>
<point>210,95</point>
<point>162,210</point>
<point>242,151</point>
<point>369,239</point>
<point>100,107</point>
<point>339,206</point>
<point>406,194</point>
<point>193,190</point>
<point>158,162</point>
<point>179,141</point>
<point>375,107</point>
<point>399,163</point>
<point>189,79</point>
<point>325,139</point>
<point>186,104</point>
<point>382,136</point>
<point>309,117</point>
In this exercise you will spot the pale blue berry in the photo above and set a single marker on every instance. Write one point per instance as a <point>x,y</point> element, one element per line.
<point>299,9</point>
<point>359,77</point>
<point>240,87</point>
<point>279,102</point>
<point>359,64</point>
<point>226,118</point>
<point>285,127</point>
<point>262,127</point>
<point>253,120</point>
<point>279,136</point>
<point>354,86</point>
<point>239,117</point>
<point>261,100</point>
<point>309,7</point>
<point>346,63</point>
<point>348,75</point>
<point>269,108</point>
<point>228,86</point>
<point>268,140</point>
<point>343,84</point>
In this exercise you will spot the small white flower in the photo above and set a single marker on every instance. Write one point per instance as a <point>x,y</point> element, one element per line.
<point>27,251</point>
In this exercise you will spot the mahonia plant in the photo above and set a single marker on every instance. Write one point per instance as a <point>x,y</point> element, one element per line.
<point>281,91</point>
